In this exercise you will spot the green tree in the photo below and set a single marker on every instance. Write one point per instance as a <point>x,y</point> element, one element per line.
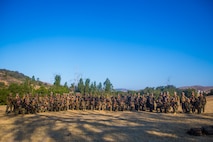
<point>72,87</point>
<point>99,87</point>
<point>81,86</point>
<point>42,90</point>
<point>148,90</point>
<point>57,80</point>
<point>33,78</point>
<point>65,85</point>
<point>95,88</point>
<point>3,95</point>
<point>91,88</point>
<point>2,84</point>
<point>108,86</point>
<point>14,88</point>
<point>87,86</point>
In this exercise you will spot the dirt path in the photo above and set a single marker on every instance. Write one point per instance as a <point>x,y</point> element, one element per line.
<point>103,126</point>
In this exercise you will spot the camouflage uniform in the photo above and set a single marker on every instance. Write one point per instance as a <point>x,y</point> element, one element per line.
<point>151,101</point>
<point>174,102</point>
<point>9,107</point>
<point>159,103</point>
<point>187,105</point>
<point>203,103</point>
<point>193,102</point>
<point>182,101</point>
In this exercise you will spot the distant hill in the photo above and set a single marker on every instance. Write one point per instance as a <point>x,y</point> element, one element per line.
<point>198,87</point>
<point>121,90</point>
<point>8,77</point>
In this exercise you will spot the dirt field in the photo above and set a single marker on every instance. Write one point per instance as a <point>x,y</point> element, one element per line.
<point>104,126</point>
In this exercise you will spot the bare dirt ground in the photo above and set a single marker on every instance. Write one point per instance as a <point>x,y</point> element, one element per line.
<point>101,126</point>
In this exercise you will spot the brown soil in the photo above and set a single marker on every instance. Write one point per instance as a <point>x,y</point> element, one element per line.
<point>104,126</point>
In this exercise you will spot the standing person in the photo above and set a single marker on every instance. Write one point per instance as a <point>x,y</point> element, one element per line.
<point>199,103</point>
<point>9,102</point>
<point>151,101</point>
<point>182,102</point>
<point>193,102</point>
<point>203,103</point>
<point>175,100</point>
<point>187,105</point>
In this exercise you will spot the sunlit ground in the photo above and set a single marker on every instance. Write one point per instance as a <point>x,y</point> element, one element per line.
<point>103,126</point>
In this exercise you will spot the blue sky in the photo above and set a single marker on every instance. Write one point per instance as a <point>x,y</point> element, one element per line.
<point>133,43</point>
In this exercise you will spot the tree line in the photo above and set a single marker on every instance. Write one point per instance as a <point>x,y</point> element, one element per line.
<point>33,86</point>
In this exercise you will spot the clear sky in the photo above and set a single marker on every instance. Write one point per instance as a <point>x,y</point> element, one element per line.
<point>133,43</point>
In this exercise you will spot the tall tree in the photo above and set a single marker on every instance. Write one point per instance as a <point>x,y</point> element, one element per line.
<point>57,80</point>
<point>91,88</point>
<point>87,86</point>
<point>108,86</point>
<point>65,85</point>
<point>94,88</point>
<point>81,86</point>
<point>99,87</point>
<point>33,78</point>
<point>72,87</point>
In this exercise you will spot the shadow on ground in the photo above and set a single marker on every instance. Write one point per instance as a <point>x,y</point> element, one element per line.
<point>103,126</point>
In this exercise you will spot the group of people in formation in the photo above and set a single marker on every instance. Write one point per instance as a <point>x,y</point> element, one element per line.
<point>30,104</point>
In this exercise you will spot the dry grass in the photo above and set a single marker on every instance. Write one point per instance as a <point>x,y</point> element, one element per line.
<point>104,126</point>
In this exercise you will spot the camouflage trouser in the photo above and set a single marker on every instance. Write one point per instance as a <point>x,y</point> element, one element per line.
<point>115,107</point>
<point>137,107</point>
<point>103,107</point>
<point>77,106</point>
<point>175,107</point>
<point>72,106</point>
<point>83,106</point>
<point>159,106</point>
<point>193,107</point>
<point>9,108</point>
<point>51,107</point>
<point>203,108</point>
<point>20,110</point>
<point>151,107</point>
<point>199,110</point>
<point>187,107</point>
<point>143,107</point>
<point>166,107</point>
<point>92,107</point>
<point>121,107</point>
<point>109,107</point>
<point>183,107</point>
<point>99,106</point>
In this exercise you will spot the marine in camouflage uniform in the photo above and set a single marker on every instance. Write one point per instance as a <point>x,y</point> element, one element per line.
<point>159,103</point>
<point>109,104</point>
<point>174,102</point>
<point>9,107</point>
<point>182,102</point>
<point>83,104</point>
<point>103,104</point>
<point>203,103</point>
<point>199,103</point>
<point>187,105</point>
<point>143,103</point>
<point>17,104</point>
<point>151,101</point>
<point>193,102</point>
